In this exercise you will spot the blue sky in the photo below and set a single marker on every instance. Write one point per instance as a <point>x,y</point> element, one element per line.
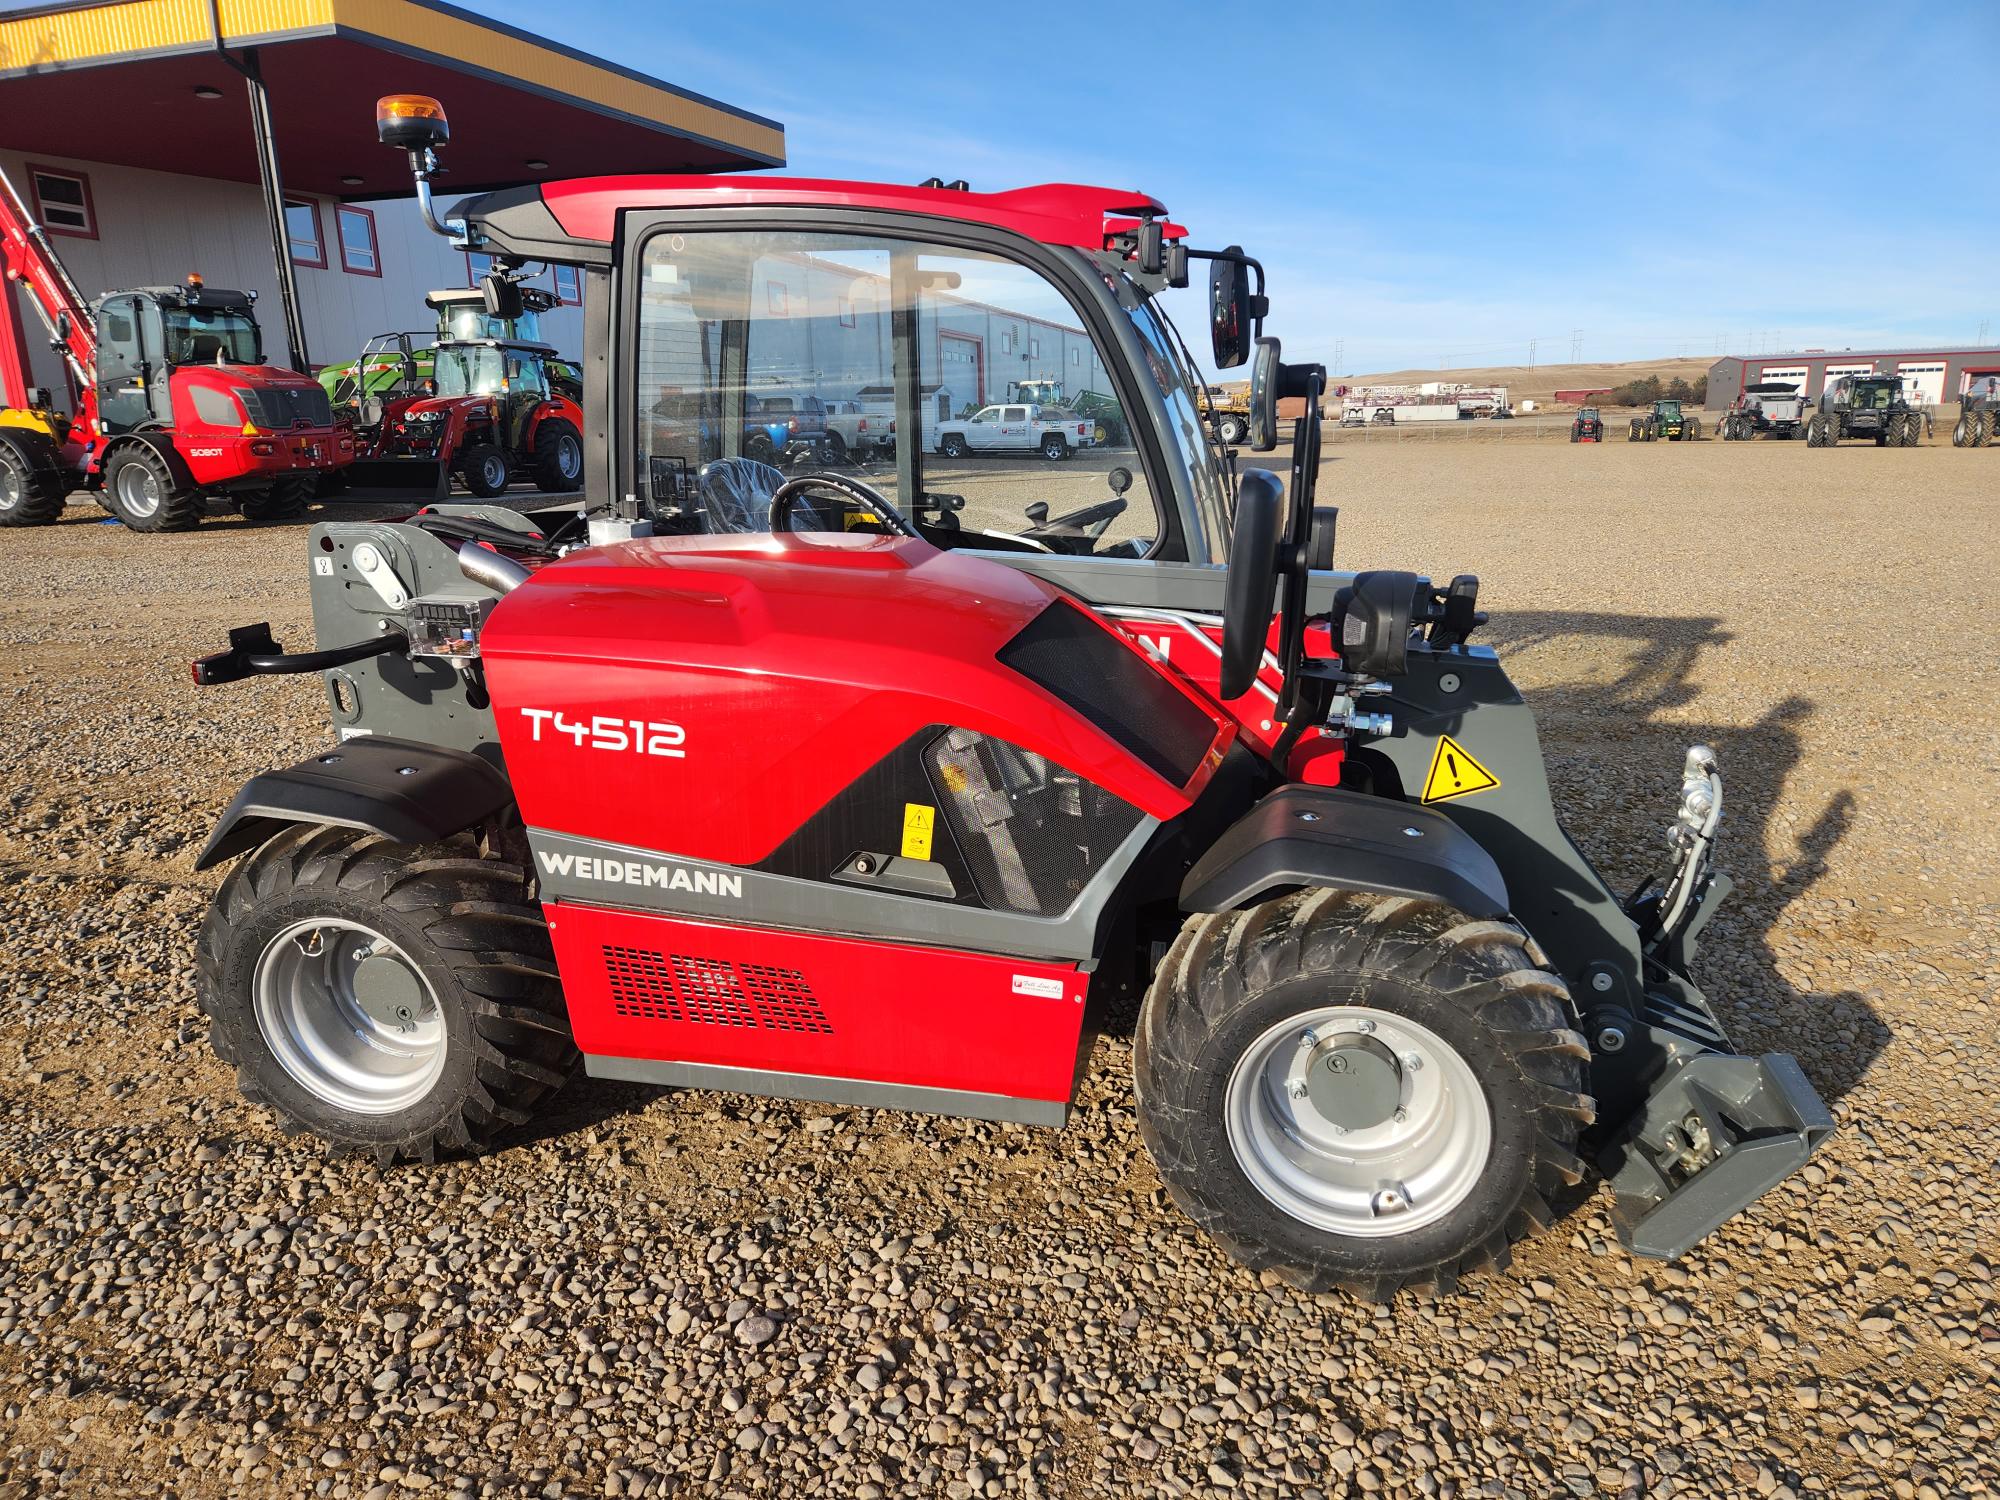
<point>1437,184</point>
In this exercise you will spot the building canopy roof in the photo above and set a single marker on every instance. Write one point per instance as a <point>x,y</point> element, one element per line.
<point>139,84</point>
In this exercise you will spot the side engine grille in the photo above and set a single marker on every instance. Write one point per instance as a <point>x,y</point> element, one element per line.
<point>651,986</point>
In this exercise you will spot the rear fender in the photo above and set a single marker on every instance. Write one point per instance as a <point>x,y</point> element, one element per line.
<point>402,789</point>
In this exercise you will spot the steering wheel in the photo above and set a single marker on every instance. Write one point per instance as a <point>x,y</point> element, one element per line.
<point>786,497</point>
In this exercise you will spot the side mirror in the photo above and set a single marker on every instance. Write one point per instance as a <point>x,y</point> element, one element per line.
<point>1152,247</point>
<point>1177,265</point>
<point>62,328</point>
<point>1251,580</point>
<point>503,297</point>
<point>1264,396</point>
<point>1228,311</point>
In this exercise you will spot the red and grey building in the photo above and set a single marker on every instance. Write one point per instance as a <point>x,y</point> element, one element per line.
<point>1933,375</point>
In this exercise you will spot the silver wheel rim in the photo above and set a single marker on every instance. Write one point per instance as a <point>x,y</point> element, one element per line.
<point>569,457</point>
<point>348,1016</point>
<point>1393,1177</point>
<point>13,485</point>
<point>138,488</point>
<point>493,472</point>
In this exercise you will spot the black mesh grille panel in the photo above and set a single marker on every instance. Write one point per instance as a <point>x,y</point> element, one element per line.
<point>1102,678</point>
<point>283,407</point>
<point>1032,833</point>
<point>651,986</point>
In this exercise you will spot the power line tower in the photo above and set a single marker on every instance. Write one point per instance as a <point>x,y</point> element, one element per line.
<point>1576,346</point>
<point>1531,354</point>
<point>1983,326</point>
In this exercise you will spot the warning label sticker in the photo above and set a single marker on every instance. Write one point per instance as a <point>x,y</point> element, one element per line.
<point>918,822</point>
<point>1455,773</point>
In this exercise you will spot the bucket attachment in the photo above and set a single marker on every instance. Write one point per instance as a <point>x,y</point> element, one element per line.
<point>1716,1135</point>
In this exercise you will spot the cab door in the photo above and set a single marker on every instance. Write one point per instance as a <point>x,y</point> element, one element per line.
<point>132,385</point>
<point>1014,433</point>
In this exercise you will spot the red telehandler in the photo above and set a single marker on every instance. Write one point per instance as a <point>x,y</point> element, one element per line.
<point>172,401</point>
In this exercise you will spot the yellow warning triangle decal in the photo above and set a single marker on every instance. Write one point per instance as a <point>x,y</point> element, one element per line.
<point>1455,773</point>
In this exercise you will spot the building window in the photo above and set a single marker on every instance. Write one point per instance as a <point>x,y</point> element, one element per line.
<point>476,266</point>
<point>63,202</point>
<point>358,250</point>
<point>1007,341</point>
<point>1075,355</point>
<point>568,291</point>
<point>846,312</point>
<point>1034,348</point>
<point>777,299</point>
<point>302,229</point>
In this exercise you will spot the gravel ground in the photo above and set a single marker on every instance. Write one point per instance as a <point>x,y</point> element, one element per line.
<point>688,1294</point>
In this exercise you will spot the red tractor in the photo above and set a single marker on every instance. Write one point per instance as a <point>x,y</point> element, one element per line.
<point>850,789</point>
<point>173,402</point>
<point>487,402</point>
<point>1587,426</point>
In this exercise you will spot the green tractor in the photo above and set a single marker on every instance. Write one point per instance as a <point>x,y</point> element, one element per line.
<point>395,363</point>
<point>1106,416</point>
<point>1665,420</point>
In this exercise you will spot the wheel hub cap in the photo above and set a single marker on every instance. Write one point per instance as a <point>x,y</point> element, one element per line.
<point>139,490</point>
<point>349,1016</point>
<point>1358,1121</point>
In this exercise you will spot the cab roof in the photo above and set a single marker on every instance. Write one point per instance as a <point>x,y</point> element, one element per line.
<point>1055,213</point>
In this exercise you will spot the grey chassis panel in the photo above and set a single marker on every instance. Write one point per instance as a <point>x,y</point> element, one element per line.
<point>768,900</point>
<point>854,1091</point>
<point>1194,588</point>
<point>420,698</point>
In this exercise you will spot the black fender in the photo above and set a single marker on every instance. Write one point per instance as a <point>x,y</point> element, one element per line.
<point>161,443</point>
<point>402,789</point>
<point>1323,836</point>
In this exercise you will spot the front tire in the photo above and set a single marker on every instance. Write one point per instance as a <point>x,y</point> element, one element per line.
<point>285,500</point>
<point>954,446</point>
<point>141,490</point>
<point>1465,1088</point>
<point>1819,433</point>
<point>558,461</point>
<point>396,1000</point>
<point>485,469</point>
<point>1233,431</point>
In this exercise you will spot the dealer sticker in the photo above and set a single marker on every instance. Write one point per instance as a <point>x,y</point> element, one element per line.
<point>1040,988</point>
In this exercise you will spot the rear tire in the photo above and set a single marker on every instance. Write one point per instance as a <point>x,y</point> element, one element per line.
<point>1983,429</point>
<point>31,483</point>
<point>484,468</point>
<point>285,500</point>
<point>1230,1120</point>
<point>1692,432</point>
<point>1054,448</point>
<point>1817,433</point>
<point>1233,431</point>
<point>456,1033</point>
<point>558,461</point>
<point>141,489</point>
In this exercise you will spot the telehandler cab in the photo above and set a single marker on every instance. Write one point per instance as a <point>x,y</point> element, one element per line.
<point>848,789</point>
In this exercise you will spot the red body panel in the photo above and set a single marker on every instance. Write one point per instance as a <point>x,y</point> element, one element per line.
<point>1055,213</point>
<point>216,454</point>
<point>743,997</point>
<point>766,673</point>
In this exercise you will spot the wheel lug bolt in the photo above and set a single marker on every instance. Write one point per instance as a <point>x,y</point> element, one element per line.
<point>1364,1027</point>
<point>1402,1116</point>
<point>1309,1039</point>
<point>1297,1089</point>
<point>1412,1061</point>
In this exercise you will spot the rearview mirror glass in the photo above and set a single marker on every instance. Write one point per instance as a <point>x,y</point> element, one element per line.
<point>503,297</point>
<point>1229,311</point>
<point>1264,396</point>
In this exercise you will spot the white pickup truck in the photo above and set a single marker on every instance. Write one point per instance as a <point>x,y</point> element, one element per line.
<point>1024,429</point>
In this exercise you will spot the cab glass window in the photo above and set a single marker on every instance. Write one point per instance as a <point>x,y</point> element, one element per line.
<point>765,353</point>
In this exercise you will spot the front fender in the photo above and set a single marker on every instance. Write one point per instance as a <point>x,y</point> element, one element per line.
<point>1323,836</point>
<point>402,789</point>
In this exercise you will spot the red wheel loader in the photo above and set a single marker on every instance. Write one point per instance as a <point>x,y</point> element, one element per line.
<point>851,788</point>
<point>172,401</point>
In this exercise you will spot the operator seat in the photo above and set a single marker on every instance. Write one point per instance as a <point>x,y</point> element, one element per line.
<point>204,346</point>
<point>736,496</point>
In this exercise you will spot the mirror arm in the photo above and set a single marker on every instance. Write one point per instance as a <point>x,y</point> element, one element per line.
<point>422,165</point>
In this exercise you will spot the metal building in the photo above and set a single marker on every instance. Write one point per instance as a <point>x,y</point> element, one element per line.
<point>1932,376</point>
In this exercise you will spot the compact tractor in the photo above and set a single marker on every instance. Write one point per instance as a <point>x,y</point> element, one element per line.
<point>1665,420</point>
<point>1775,407</point>
<point>1865,406</point>
<point>1978,421</point>
<point>1587,426</point>
<point>799,786</point>
<point>172,401</point>
<point>482,403</point>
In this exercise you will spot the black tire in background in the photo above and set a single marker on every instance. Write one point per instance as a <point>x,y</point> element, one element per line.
<point>1054,447</point>
<point>142,490</point>
<point>1233,430</point>
<point>478,943</point>
<point>1231,977</point>
<point>954,446</point>
<point>485,469</point>
<point>31,485</point>
<point>558,460</point>
<point>285,500</point>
